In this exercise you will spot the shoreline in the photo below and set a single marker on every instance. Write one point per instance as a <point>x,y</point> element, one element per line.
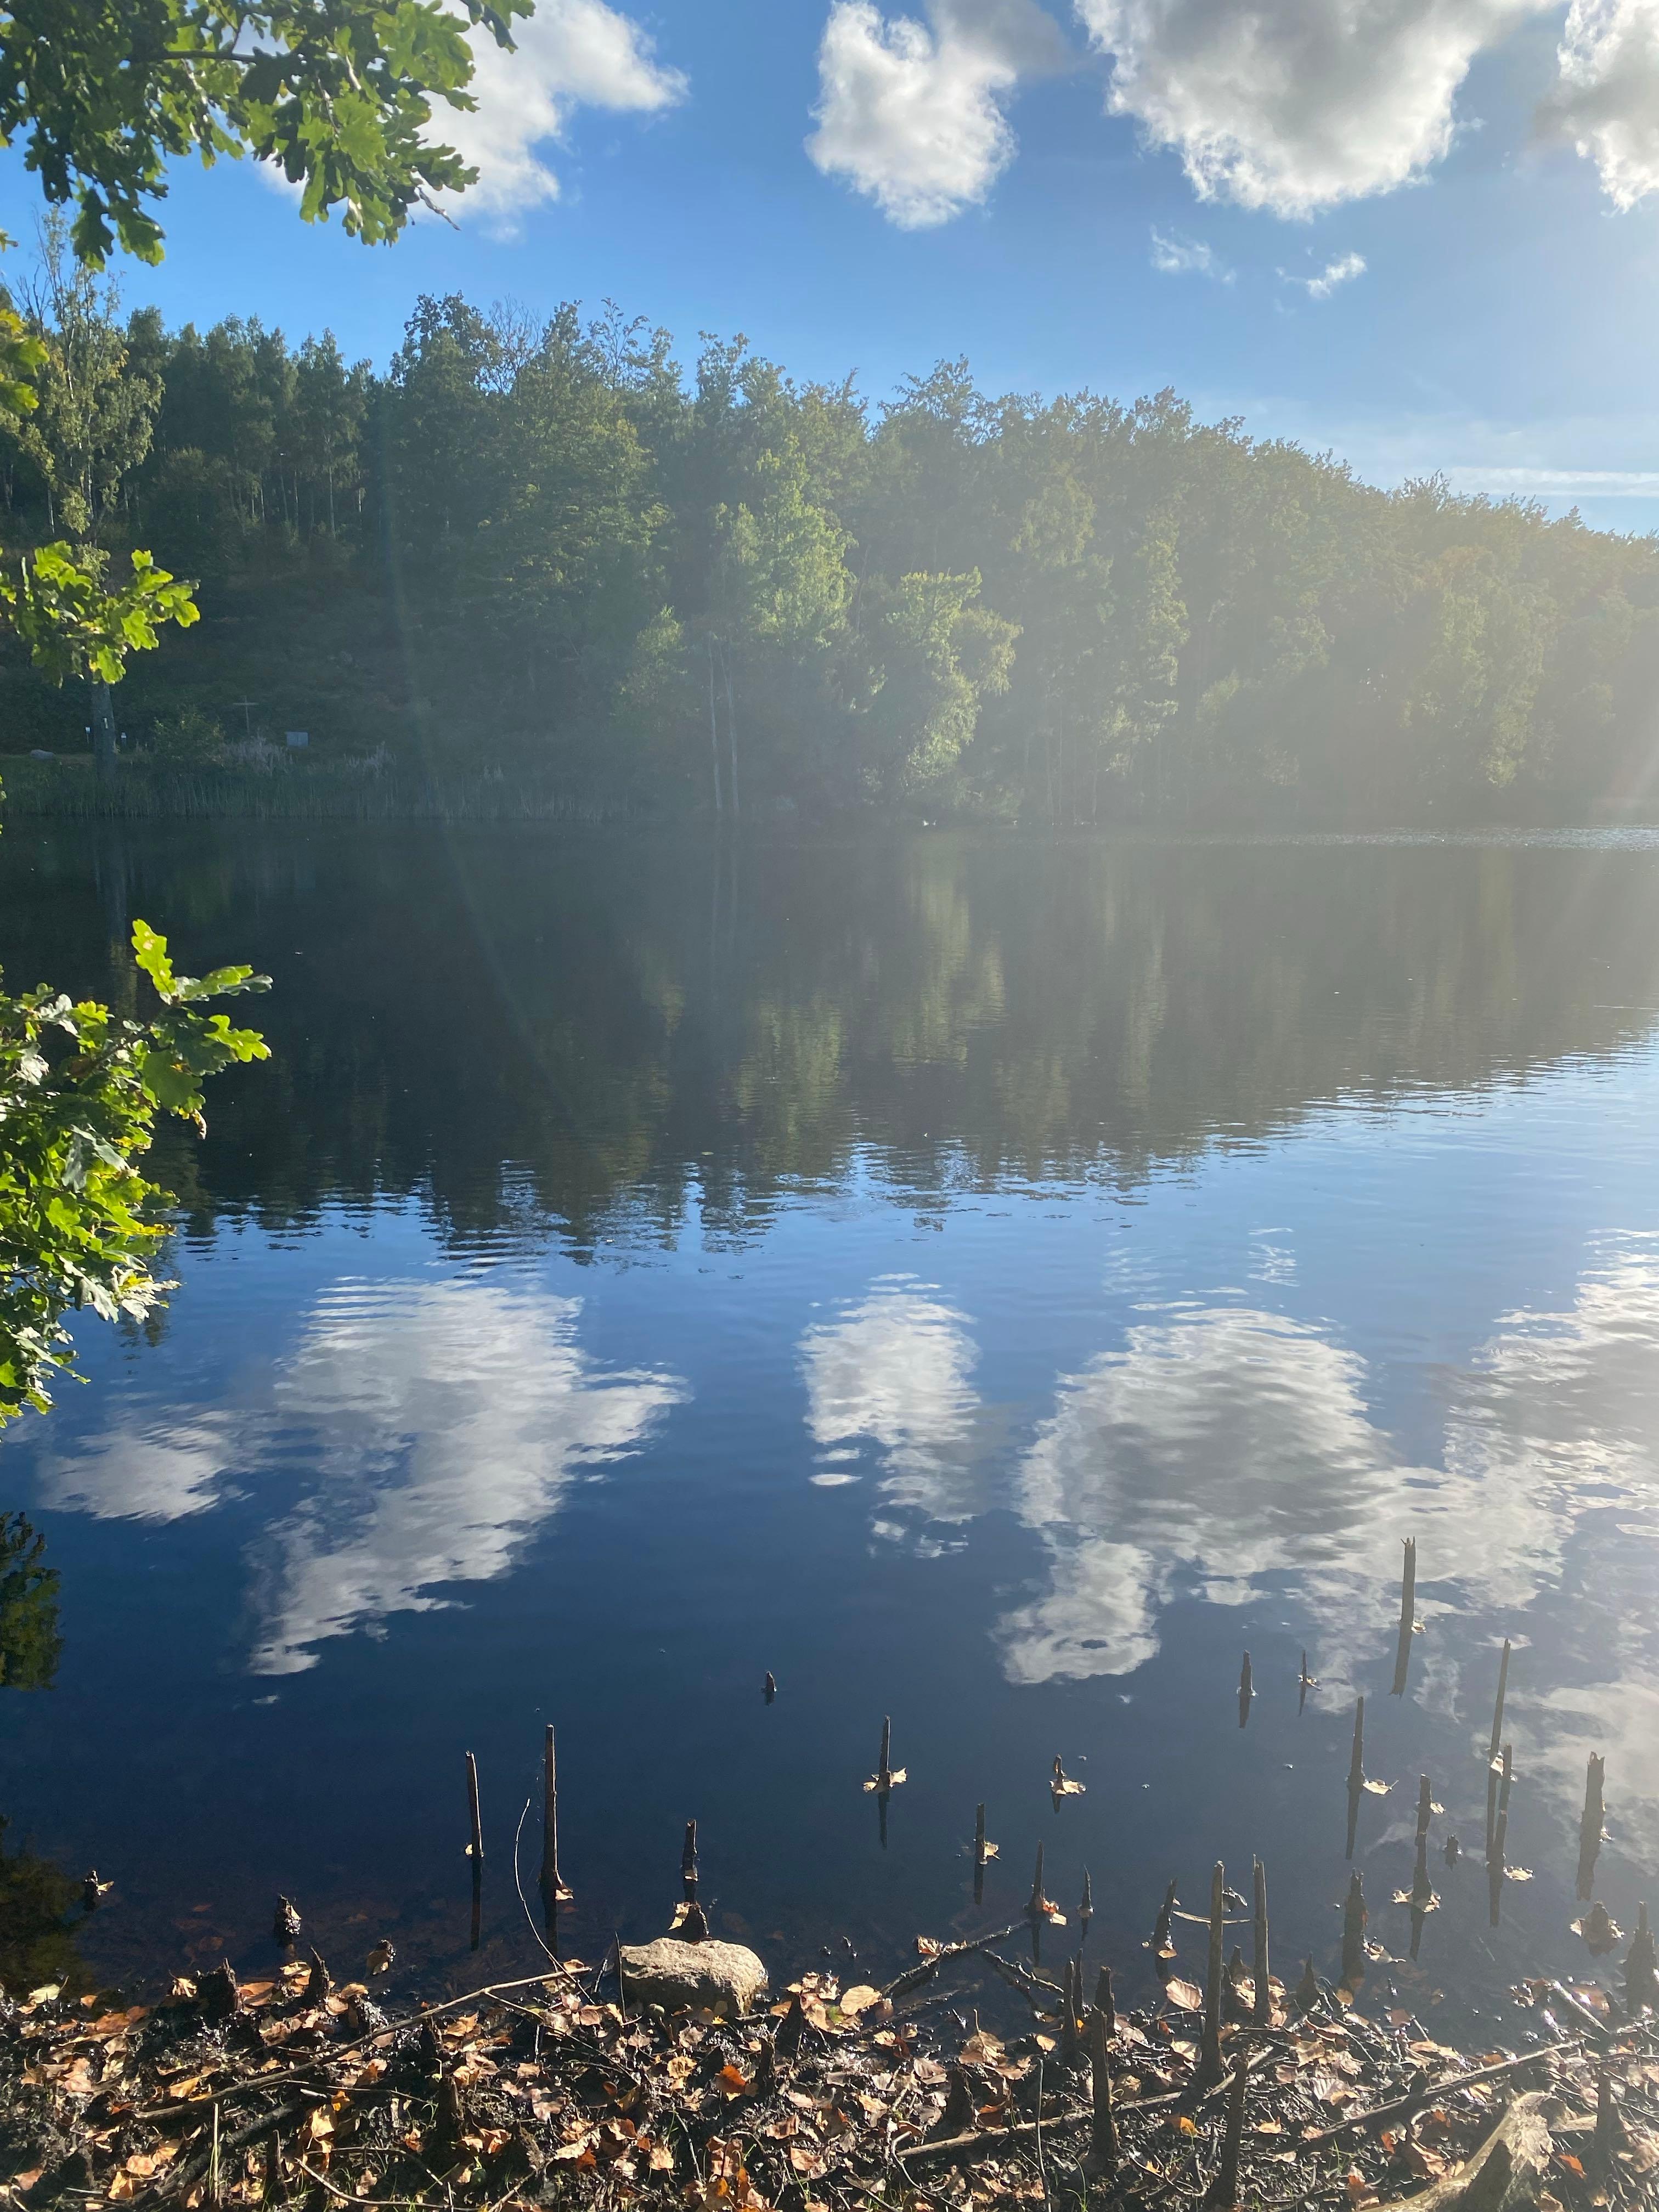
<point>559,2087</point>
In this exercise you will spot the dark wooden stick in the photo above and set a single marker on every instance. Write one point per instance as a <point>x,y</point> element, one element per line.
<point>1034,1911</point>
<point>1590,1824</point>
<point>1101,2161</point>
<point>689,1862</point>
<point>554,1891</point>
<point>472,1802</point>
<point>1356,1772</point>
<point>1403,1657</point>
<point>1245,1691</point>
<point>1222,2192</point>
<point>1209,2057</point>
<point>1432,2094</point>
<point>1500,1839</point>
<point>1496,1739</point>
<point>1263,2006</point>
<point>1353,1933</point>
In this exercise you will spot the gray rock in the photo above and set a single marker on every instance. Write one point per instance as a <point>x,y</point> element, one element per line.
<point>718,1977</point>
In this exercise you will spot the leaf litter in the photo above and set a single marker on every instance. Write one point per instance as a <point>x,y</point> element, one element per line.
<point>526,2092</point>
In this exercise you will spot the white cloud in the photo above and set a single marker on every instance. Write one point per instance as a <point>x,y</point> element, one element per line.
<point>153,1467</point>
<point>1342,270</point>
<point>896,1368</point>
<point>1187,257</point>
<point>1295,105</point>
<point>437,1425</point>
<point>911,113</point>
<point>449,1420</point>
<point>1222,1445</point>
<point>1607,99</point>
<point>570,54</point>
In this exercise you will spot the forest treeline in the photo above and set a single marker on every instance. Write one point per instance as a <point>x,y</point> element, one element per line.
<point>546,549</point>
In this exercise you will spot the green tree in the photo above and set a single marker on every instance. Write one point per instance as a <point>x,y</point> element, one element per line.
<point>337,94</point>
<point>89,428</point>
<point>80,1091</point>
<point>30,1645</point>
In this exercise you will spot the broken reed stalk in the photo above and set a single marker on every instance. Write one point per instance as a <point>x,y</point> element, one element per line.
<point>1590,1824</point>
<point>1422,1896</point>
<point>1161,1925</point>
<point>1353,1933</point>
<point>1304,1684</point>
<point>1641,1967</point>
<point>1604,2142</point>
<point>1496,1739</point>
<point>1071,2004</point>
<point>554,1891</point>
<point>885,1764</point>
<point>1222,2192</point>
<point>1245,1691</point>
<point>1500,1839</point>
<point>979,1836</point>
<point>1034,1910</point>
<point>1102,2162</point>
<point>688,1863</point>
<point>1403,1657</point>
<point>1104,2004</point>
<point>1209,2057</point>
<point>472,1806</point>
<point>1356,1772</point>
<point>1262,2005</point>
<point>1085,1913</point>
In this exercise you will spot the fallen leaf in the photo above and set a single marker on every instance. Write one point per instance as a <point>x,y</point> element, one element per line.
<point>1187,1994</point>
<point>856,2001</point>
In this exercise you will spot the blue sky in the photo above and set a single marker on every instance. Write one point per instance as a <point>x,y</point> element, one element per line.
<point>1422,233</point>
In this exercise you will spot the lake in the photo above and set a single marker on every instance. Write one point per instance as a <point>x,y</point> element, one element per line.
<point>989,1282</point>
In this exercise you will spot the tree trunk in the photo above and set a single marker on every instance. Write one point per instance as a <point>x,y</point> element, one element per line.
<point>103,730</point>
<point>730,733</point>
<point>713,729</point>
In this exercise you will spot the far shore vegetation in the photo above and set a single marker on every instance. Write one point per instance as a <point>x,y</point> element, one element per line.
<point>538,569</point>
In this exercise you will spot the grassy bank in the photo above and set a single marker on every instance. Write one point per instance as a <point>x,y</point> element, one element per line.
<point>66,788</point>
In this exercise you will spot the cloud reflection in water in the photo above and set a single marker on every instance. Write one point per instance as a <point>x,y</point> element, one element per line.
<point>436,1425</point>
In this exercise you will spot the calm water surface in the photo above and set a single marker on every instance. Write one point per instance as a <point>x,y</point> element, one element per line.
<point>989,1283</point>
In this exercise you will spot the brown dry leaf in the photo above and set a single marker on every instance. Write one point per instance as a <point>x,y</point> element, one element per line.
<point>1187,1994</point>
<point>983,2045</point>
<point>1268,2128</point>
<point>733,2082</point>
<point>1186,2125</point>
<point>121,2185</point>
<point>77,2080</point>
<point>321,2126</point>
<point>1378,1789</point>
<point>1573,2165</point>
<point>1067,1787</point>
<point>858,2000</point>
